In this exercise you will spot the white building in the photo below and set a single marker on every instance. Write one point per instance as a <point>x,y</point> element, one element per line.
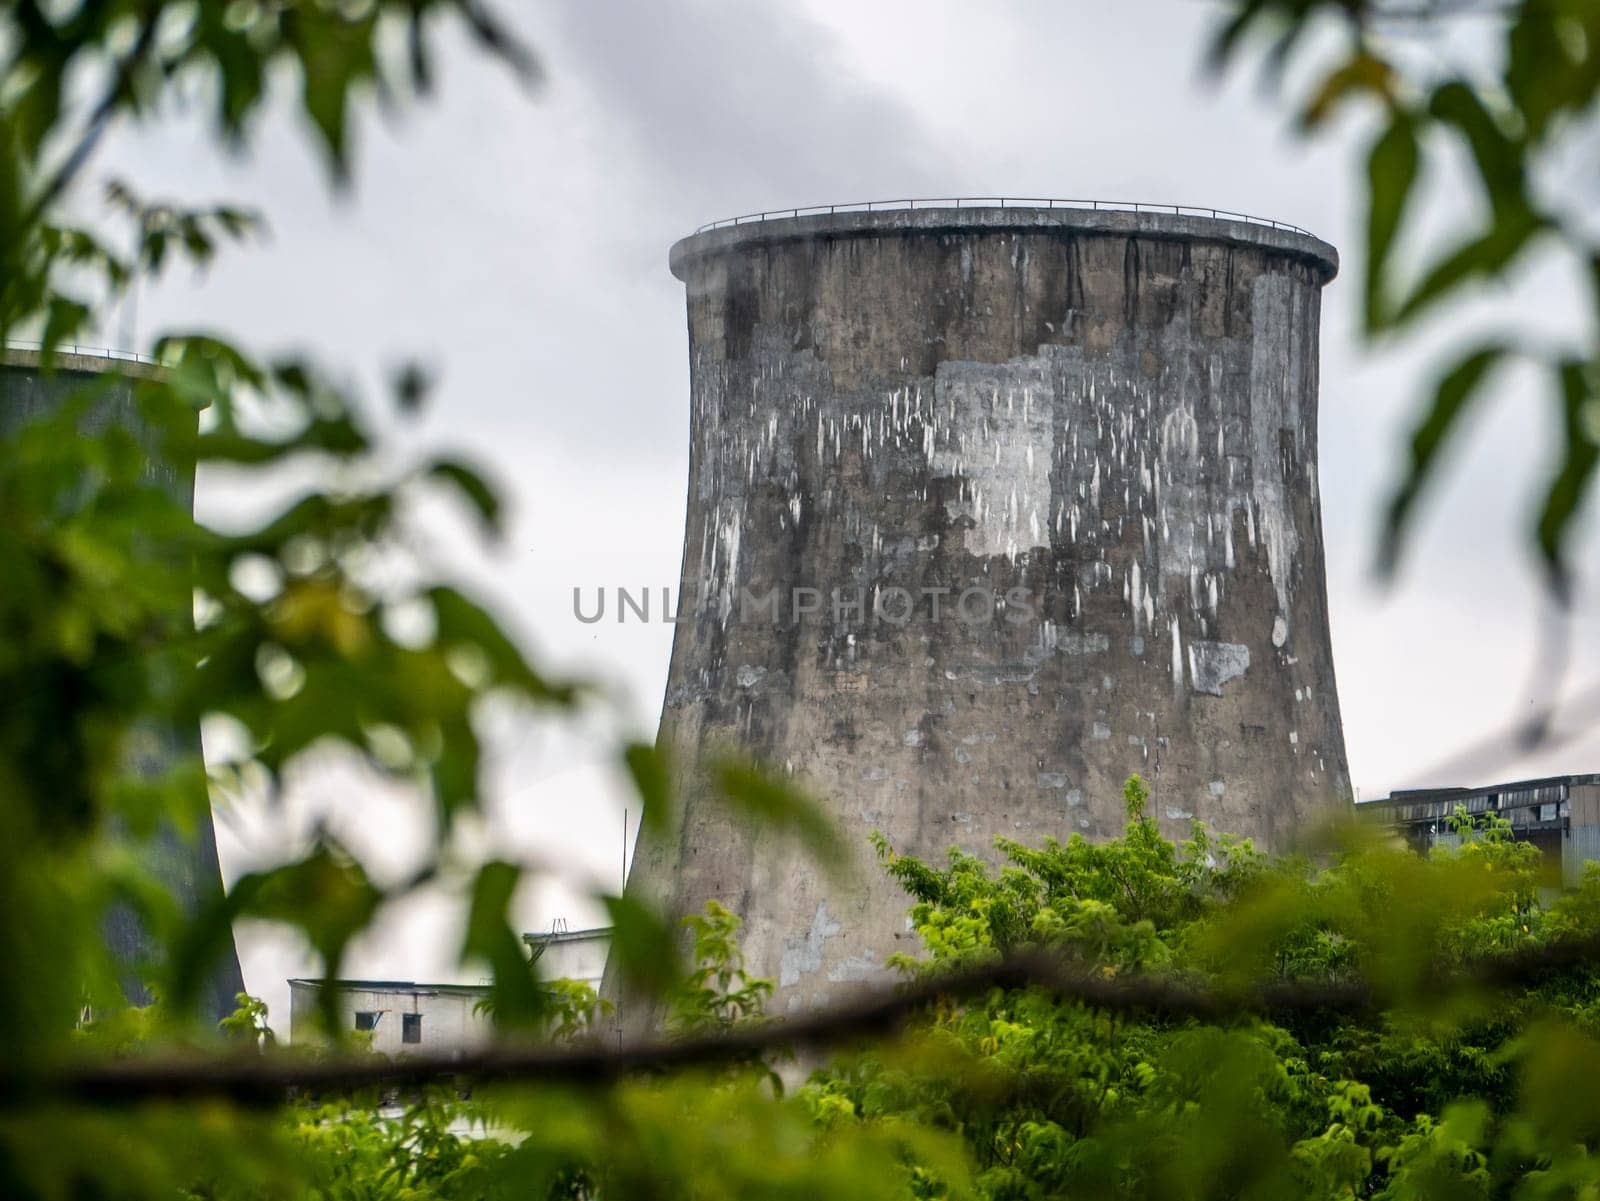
<point>407,1017</point>
<point>402,1016</point>
<point>566,954</point>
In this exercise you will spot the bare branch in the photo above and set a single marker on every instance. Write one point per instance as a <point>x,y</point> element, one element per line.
<point>122,79</point>
<point>268,1080</point>
<point>1558,723</point>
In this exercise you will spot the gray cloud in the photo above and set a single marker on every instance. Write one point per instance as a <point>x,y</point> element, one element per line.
<point>731,107</point>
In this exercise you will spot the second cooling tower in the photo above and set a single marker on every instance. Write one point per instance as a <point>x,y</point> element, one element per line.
<point>989,509</point>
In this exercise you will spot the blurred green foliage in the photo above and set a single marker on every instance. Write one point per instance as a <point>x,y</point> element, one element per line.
<point>318,625</point>
<point>1442,1089</point>
<point>1440,1092</point>
<point>1511,89</point>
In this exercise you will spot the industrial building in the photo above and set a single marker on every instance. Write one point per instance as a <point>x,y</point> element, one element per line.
<point>405,1017</point>
<point>184,862</point>
<point>402,1016</point>
<point>989,507</point>
<point>1558,814</point>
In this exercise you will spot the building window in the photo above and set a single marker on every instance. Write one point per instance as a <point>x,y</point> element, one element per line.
<point>411,1028</point>
<point>367,1019</point>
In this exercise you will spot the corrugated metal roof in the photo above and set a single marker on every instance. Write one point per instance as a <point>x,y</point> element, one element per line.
<point>1416,805</point>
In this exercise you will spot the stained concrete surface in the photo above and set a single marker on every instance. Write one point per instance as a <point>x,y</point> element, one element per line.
<point>1089,440</point>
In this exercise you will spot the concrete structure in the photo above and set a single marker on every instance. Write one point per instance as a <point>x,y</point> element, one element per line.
<point>564,954</point>
<point>187,866</point>
<point>1558,814</point>
<point>988,509</point>
<point>403,1017</point>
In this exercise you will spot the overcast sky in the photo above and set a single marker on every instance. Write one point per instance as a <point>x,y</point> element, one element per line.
<point>517,242</point>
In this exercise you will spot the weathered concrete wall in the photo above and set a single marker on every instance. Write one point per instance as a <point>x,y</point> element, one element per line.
<point>188,866</point>
<point>1108,422</point>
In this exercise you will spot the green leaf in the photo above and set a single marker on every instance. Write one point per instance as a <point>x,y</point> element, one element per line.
<point>1571,483</point>
<point>1488,255</point>
<point>1391,172</point>
<point>417,53</point>
<point>1362,74</point>
<point>1230,34</point>
<point>490,938</point>
<point>1452,397</point>
<point>1279,52</point>
<point>335,54</point>
<point>644,949</point>
<point>464,623</point>
<point>783,809</point>
<point>412,383</point>
<point>1498,157</point>
<point>326,895</point>
<point>65,322</point>
<point>499,41</point>
<point>648,769</point>
<point>1546,73</point>
<point>473,488</point>
<point>338,436</point>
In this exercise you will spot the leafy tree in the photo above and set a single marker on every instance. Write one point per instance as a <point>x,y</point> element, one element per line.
<point>1430,1091</point>
<point>716,994</point>
<point>654,1136</point>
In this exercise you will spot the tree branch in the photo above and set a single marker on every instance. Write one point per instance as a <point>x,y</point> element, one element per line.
<point>268,1079</point>
<point>99,120</point>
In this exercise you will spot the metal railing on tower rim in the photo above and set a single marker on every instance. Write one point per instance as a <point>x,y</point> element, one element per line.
<point>1108,206</point>
<point>100,352</point>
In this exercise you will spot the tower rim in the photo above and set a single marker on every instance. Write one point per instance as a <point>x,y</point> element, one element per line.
<point>80,360</point>
<point>942,217</point>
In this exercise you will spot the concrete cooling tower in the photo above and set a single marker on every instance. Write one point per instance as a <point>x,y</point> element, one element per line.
<point>989,508</point>
<point>187,865</point>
